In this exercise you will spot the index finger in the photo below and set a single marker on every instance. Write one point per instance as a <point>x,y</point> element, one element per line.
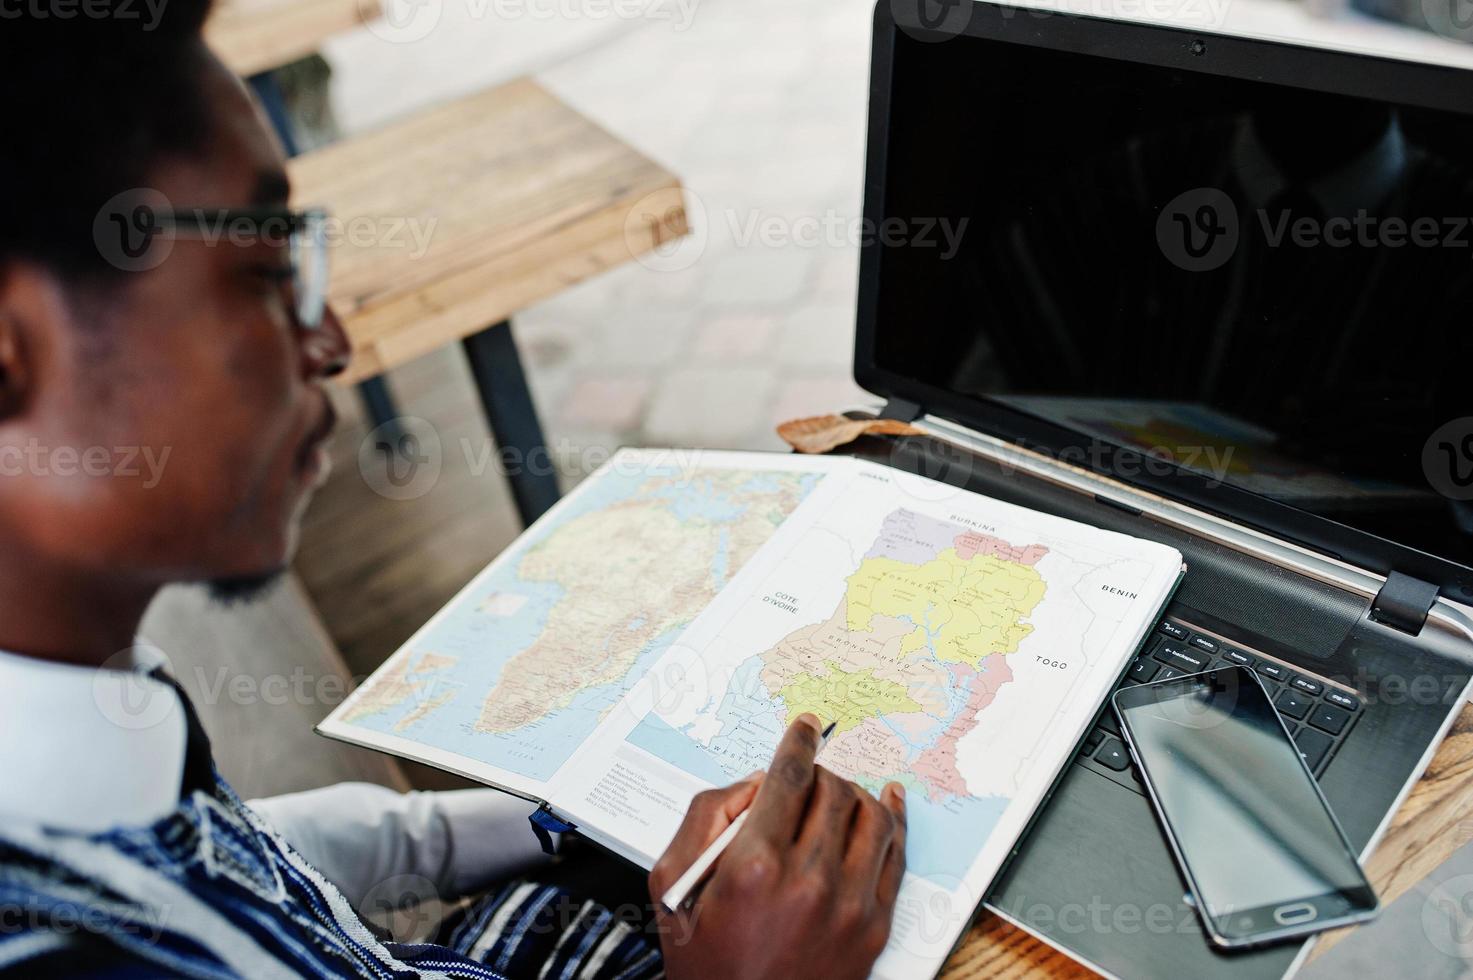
<point>778,810</point>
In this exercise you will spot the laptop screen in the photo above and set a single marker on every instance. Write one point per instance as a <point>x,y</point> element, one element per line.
<point>1268,286</point>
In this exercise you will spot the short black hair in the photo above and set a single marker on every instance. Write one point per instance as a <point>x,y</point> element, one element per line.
<point>92,93</point>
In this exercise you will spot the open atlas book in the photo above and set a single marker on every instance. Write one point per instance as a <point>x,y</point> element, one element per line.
<point>654,633</point>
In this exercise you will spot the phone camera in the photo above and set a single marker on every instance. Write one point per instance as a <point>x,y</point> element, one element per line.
<point>1198,47</point>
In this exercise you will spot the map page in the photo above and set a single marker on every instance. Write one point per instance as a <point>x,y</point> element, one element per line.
<point>961,645</point>
<point>512,676</point>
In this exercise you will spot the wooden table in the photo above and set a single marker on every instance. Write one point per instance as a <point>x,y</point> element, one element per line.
<point>454,219</point>
<point>1421,837</point>
<point>255,36</point>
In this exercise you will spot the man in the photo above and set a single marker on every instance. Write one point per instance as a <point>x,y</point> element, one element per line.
<point>122,324</point>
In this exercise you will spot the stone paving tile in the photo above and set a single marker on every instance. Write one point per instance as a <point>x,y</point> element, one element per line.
<point>802,396</point>
<point>817,336</point>
<point>720,408</point>
<point>608,403</point>
<point>838,275</point>
<point>734,336</point>
<point>639,337</point>
<point>759,275</point>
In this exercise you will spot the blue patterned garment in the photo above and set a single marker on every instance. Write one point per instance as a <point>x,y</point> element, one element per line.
<point>212,891</point>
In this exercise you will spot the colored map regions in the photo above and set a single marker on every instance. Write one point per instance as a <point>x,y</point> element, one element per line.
<point>920,636</point>
<point>915,650</point>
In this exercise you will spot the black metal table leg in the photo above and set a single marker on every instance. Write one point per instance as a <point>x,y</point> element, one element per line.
<point>383,414</point>
<point>497,369</point>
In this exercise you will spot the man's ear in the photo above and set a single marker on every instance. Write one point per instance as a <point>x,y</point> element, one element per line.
<point>15,370</point>
<point>28,298</point>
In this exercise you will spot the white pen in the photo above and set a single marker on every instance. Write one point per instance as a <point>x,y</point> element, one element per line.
<point>677,893</point>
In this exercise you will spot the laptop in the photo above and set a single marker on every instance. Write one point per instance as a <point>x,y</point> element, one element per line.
<point>1165,282</point>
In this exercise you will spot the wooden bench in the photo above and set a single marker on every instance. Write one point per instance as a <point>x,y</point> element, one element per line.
<point>516,196</point>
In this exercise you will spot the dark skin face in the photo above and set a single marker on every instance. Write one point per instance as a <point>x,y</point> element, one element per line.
<point>201,359</point>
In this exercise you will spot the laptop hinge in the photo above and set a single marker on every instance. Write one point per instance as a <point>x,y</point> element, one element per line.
<point>1404,602</point>
<point>901,410</point>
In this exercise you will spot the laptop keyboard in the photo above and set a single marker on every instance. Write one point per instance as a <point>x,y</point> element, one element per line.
<point>1318,712</point>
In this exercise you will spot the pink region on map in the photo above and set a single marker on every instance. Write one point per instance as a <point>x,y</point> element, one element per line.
<point>971,543</point>
<point>937,765</point>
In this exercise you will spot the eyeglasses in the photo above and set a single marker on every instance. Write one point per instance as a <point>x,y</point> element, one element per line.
<point>302,233</point>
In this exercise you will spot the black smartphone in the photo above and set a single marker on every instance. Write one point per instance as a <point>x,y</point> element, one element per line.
<point>1262,853</point>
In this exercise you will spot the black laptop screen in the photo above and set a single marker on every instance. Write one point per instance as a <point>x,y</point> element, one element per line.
<point>1269,286</point>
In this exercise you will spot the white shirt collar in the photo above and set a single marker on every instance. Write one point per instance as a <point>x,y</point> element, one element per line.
<point>88,749</point>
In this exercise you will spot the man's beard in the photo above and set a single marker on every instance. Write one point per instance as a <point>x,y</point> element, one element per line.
<point>241,589</point>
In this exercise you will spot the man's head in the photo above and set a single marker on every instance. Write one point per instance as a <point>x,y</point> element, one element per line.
<point>160,415</point>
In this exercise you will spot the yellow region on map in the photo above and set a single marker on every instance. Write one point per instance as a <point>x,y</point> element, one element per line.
<point>968,608</point>
<point>845,697</point>
<point>913,651</point>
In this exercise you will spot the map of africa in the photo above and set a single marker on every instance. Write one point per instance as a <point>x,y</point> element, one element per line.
<point>518,670</point>
<point>916,649</point>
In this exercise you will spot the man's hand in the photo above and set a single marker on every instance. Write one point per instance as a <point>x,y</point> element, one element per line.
<point>807,888</point>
